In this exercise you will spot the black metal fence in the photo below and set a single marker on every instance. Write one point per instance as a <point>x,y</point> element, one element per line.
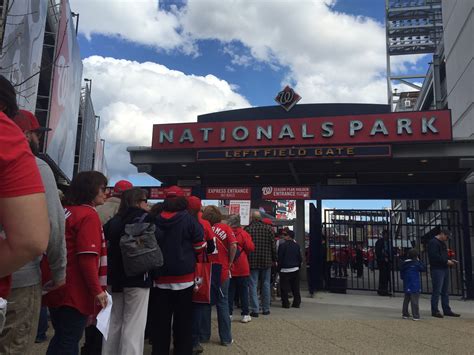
<point>350,245</point>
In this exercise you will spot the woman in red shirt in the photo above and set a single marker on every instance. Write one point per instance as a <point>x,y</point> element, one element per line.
<point>241,269</point>
<point>86,273</point>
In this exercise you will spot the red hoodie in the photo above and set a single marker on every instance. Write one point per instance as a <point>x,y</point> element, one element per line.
<point>241,265</point>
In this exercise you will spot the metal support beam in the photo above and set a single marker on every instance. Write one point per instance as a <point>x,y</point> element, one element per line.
<point>300,233</point>
<point>467,247</point>
<point>294,173</point>
<point>414,86</point>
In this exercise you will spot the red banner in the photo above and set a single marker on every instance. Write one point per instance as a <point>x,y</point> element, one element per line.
<point>286,193</point>
<point>397,127</point>
<point>225,193</point>
<point>158,193</point>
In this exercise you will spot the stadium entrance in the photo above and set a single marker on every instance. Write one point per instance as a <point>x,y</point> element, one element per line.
<point>321,152</point>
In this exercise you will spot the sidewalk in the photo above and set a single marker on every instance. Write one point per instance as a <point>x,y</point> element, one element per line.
<point>356,323</point>
<point>350,324</point>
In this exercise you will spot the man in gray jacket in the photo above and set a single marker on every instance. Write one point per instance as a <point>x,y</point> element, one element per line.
<point>24,302</point>
<point>111,205</point>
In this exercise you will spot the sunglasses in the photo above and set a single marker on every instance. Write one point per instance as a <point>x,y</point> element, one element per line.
<point>105,190</point>
<point>144,200</point>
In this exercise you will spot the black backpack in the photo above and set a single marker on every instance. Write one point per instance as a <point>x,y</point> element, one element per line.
<point>139,247</point>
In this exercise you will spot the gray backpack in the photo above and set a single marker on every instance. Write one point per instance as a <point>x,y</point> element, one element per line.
<point>140,250</point>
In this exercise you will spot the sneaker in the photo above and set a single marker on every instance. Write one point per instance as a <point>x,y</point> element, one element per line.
<point>266,313</point>
<point>406,316</point>
<point>254,315</point>
<point>285,306</point>
<point>41,339</point>
<point>228,344</point>
<point>295,305</point>
<point>198,349</point>
<point>416,318</point>
<point>231,317</point>
<point>245,319</point>
<point>451,314</point>
<point>437,314</point>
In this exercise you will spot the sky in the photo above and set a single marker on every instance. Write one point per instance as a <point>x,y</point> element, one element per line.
<point>169,61</point>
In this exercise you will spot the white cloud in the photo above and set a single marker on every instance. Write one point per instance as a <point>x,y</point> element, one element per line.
<point>130,97</point>
<point>138,21</point>
<point>329,56</point>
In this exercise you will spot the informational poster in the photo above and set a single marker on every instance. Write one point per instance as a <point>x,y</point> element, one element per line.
<point>65,94</point>
<point>228,193</point>
<point>20,60</point>
<point>242,208</point>
<point>286,192</point>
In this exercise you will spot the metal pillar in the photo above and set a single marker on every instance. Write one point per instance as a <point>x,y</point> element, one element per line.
<point>300,233</point>
<point>467,247</point>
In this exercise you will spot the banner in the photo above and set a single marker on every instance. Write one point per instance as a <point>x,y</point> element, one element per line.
<point>387,128</point>
<point>22,49</point>
<point>226,193</point>
<point>286,192</point>
<point>158,193</point>
<point>99,159</point>
<point>242,208</point>
<point>65,94</point>
<point>88,132</point>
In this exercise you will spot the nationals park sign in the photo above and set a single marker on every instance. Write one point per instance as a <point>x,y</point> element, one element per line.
<point>397,127</point>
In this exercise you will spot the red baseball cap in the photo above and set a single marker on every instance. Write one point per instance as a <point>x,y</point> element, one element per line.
<point>194,203</point>
<point>28,122</point>
<point>174,191</point>
<point>121,186</point>
<point>267,221</point>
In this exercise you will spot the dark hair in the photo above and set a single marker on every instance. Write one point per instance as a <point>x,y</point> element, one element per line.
<point>212,214</point>
<point>8,97</point>
<point>175,204</point>
<point>412,254</point>
<point>156,209</point>
<point>131,198</point>
<point>85,187</point>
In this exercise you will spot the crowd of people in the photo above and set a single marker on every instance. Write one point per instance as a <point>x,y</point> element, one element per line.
<point>68,257</point>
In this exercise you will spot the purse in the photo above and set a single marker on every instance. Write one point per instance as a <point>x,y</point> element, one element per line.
<point>207,281</point>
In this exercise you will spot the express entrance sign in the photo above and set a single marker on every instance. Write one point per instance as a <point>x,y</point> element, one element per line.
<point>420,126</point>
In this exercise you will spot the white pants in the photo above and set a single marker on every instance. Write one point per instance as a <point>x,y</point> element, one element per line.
<point>127,322</point>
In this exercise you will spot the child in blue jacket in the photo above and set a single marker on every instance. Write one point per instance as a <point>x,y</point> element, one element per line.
<point>410,273</point>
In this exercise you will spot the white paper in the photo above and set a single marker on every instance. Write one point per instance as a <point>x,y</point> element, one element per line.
<point>103,318</point>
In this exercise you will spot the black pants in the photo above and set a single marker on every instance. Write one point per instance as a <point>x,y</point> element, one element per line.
<point>384,276</point>
<point>177,306</point>
<point>290,281</point>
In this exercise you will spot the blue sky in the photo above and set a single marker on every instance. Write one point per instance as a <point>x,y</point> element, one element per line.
<point>169,61</point>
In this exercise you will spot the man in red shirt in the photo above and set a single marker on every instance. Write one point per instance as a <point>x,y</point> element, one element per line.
<point>24,225</point>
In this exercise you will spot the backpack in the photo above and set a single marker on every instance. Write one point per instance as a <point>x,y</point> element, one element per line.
<point>139,247</point>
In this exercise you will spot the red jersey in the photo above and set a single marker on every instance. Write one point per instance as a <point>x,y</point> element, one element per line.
<point>224,237</point>
<point>19,173</point>
<point>84,242</point>
<point>244,240</point>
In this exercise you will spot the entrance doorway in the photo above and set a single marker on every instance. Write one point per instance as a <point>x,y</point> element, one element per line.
<point>349,238</point>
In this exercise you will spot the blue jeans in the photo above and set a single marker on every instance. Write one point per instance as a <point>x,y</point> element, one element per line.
<point>68,324</point>
<point>202,318</point>
<point>240,285</point>
<point>42,324</point>
<point>255,276</point>
<point>201,323</point>
<point>440,280</point>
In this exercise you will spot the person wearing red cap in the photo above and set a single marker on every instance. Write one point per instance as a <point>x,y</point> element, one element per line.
<point>26,292</point>
<point>226,246</point>
<point>111,205</point>
<point>241,270</point>
<point>23,212</point>
<point>182,237</point>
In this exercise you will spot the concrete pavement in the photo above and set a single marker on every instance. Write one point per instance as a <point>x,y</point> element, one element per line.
<point>357,323</point>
